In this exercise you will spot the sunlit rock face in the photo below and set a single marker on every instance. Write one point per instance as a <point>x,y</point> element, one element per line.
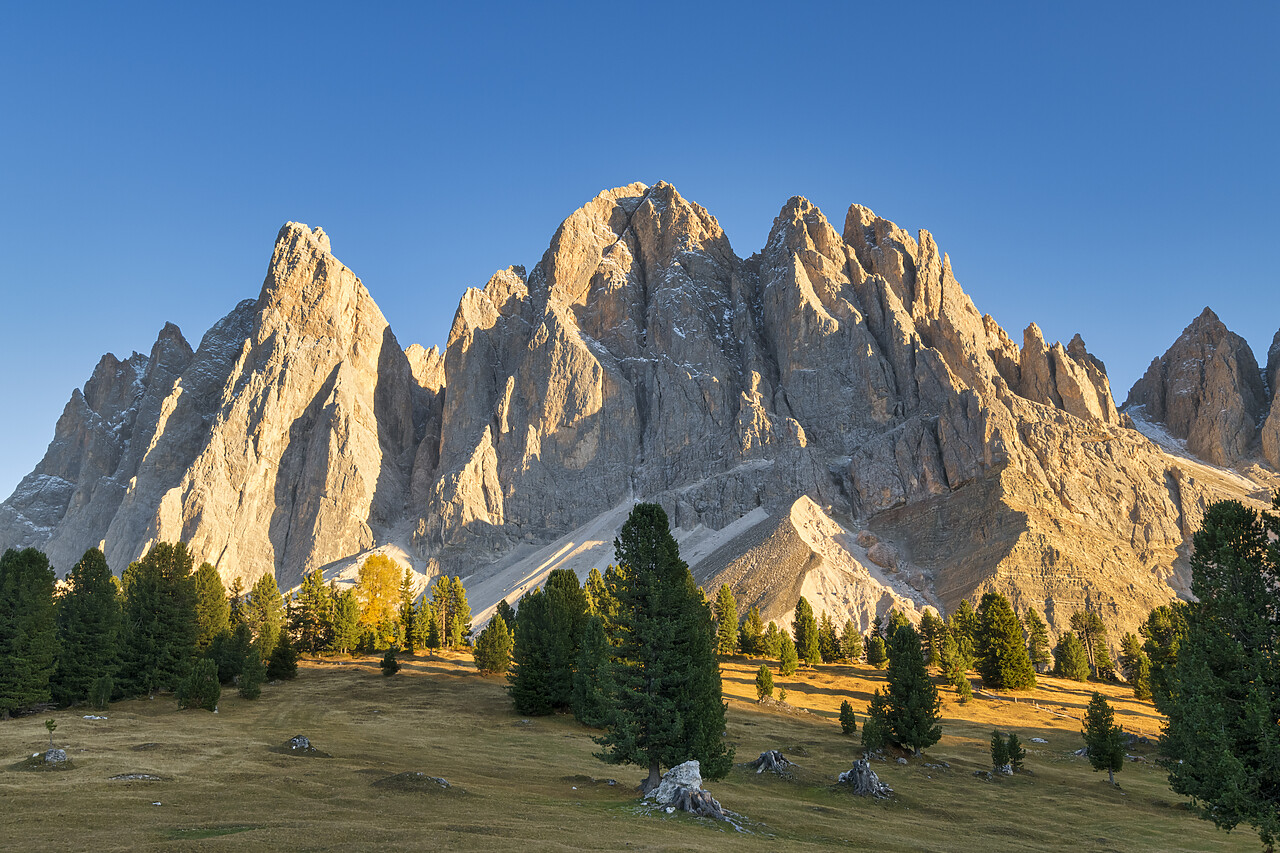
<point>788,408</point>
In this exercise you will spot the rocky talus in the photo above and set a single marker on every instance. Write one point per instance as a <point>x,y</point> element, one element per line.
<point>830,416</point>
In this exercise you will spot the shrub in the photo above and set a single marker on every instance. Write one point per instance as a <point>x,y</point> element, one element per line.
<point>100,692</point>
<point>390,666</point>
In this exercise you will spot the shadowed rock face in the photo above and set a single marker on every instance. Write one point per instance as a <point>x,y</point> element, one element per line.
<point>841,377</point>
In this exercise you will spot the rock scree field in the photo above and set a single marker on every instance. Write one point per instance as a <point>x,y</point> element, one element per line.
<point>516,783</point>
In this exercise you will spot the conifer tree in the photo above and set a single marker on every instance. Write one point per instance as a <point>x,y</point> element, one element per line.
<point>1092,632</point>
<point>283,663</point>
<point>848,719</point>
<point>389,665</point>
<point>954,668</point>
<point>764,681</point>
<point>346,622</point>
<point>591,684</point>
<point>508,613</point>
<point>1104,739</point>
<point>771,643</point>
<point>999,750</point>
<point>1017,755</point>
<point>28,629</point>
<point>549,629</point>
<point>597,594</point>
<point>1162,634</point>
<point>311,618</point>
<point>1037,641</point>
<point>726,616</point>
<point>963,627</point>
<point>931,630</point>
<point>229,651</point>
<point>805,632</point>
<point>788,659</point>
<point>426,634</point>
<point>452,612</point>
<point>666,701</point>
<point>1135,666</point>
<point>1070,659</point>
<point>876,733</point>
<point>851,643</point>
<point>213,610</point>
<point>828,639</point>
<point>264,611</point>
<point>200,689</point>
<point>159,619</point>
<point>378,592</point>
<point>896,620</point>
<point>89,624</point>
<point>751,634</point>
<point>252,673</point>
<point>493,647</point>
<point>407,612</point>
<point>236,601</point>
<point>877,653</point>
<point>1003,662</point>
<point>914,706</point>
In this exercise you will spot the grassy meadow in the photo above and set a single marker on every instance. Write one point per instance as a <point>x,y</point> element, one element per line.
<point>533,784</point>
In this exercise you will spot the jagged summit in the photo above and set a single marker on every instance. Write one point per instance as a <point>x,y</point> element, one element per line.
<point>835,389</point>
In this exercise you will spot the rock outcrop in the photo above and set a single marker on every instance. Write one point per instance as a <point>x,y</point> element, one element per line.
<point>831,416</point>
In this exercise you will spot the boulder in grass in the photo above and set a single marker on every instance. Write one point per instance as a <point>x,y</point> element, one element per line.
<point>301,746</point>
<point>681,788</point>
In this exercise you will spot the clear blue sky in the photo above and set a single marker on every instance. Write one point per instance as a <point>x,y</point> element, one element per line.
<point>1106,168</point>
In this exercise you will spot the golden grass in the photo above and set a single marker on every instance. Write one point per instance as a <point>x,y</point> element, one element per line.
<point>536,786</point>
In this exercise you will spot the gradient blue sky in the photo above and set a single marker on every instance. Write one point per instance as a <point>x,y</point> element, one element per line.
<point>1103,168</point>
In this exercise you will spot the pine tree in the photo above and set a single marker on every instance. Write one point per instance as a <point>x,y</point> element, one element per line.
<point>229,651</point>
<point>999,750</point>
<point>851,643</point>
<point>876,733</point>
<point>1092,632</point>
<point>764,681</point>
<point>666,701</point>
<point>508,613</point>
<point>200,689</point>
<point>751,633</point>
<point>771,643</point>
<point>389,665</point>
<point>28,629</point>
<point>877,653</point>
<point>88,632</point>
<point>914,706</point>
<point>452,612</point>
<point>1221,739</point>
<point>425,633</point>
<point>346,622</point>
<point>264,611</point>
<point>159,619</point>
<point>726,614</point>
<point>493,647</point>
<point>788,658</point>
<point>235,601</point>
<point>848,719</point>
<point>1070,659</point>
<point>591,684</point>
<point>828,639</point>
<point>311,618</point>
<point>1135,666</point>
<point>1104,739</point>
<point>407,612</point>
<point>283,663</point>
<point>1017,755</point>
<point>954,668</point>
<point>548,633</point>
<point>805,632</point>
<point>932,629</point>
<point>1003,662</point>
<point>1163,631</point>
<point>378,592</point>
<point>963,627</point>
<point>252,673</point>
<point>213,610</point>
<point>1037,641</point>
<point>896,620</point>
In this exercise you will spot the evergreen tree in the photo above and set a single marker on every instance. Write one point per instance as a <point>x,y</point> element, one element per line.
<point>1037,641</point>
<point>932,629</point>
<point>378,592</point>
<point>1003,662</point>
<point>726,613</point>
<point>1135,666</point>
<point>28,629</point>
<point>1017,755</point>
<point>100,692</point>
<point>235,601</point>
<point>213,610</point>
<point>963,627</point>
<point>848,719</point>
<point>877,653</point>
<point>159,619</point>
<point>389,665</point>
<point>1093,636</point>
<point>346,622</point>
<point>407,612</point>
<point>493,647</point>
<point>1070,659</point>
<point>828,639</point>
<point>1162,634</point>
<point>788,659</point>
<point>311,618</point>
<point>666,702</point>
<point>772,641</point>
<point>764,681</point>
<point>452,612</point>
<point>229,651</point>
<point>954,667</point>
<point>252,673</point>
<point>751,634</point>
<point>1104,739</point>
<point>1221,737</point>
<point>425,633</point>
<point>508,613</point>
<point>876,733</point>
<point>896,620</point>
<point>200,689</point>
<point>88,632</point>
<point>914,706</point>
<point>548,634</point>
<point>283,663</point>
<point>805,632</point>
<point>264,611</point>
<point>851,643</point>
<point>591,685</point>
<point>999,750</point>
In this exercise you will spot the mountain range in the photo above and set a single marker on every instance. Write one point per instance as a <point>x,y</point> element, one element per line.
<point>831,416</point>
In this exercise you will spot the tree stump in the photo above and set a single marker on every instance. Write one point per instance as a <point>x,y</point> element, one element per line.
<point>864,781</point>
<point>771,760</point>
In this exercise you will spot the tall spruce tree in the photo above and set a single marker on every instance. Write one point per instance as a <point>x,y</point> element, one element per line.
<point>1089,627</point>
<point>264,612</point>
<point>346,622</point>
<point>311,617</point>
<point>751,633</point>
<point>914,706</point>
<point>851,642</point>
<point>828,639</point>
<point>771,641</point>
<point>726,613</point>
<point>425,633</point>
<point>955,667</point>
<point>548,633</point>
<point>159,619</point>
<point>666,701</point>
<point>213,610</point>
<point>407,612</point>
<point>1162,634</point>
<point>493,647</point>
<point>788,659</point>
<point>591,675</point>
<point>963,626</point>
<point>1003,662</point>
<point>1037,641</point>
<point>1070,660</point>
<point>1102,737</point>
<point>28,629</point>
<point>1135,666</point>
<point>877,652</point>
<point>507,613</point>
<point>805,633</point>
<point>88,617</point>
<point>1221,737</point>
<point>931,630</point>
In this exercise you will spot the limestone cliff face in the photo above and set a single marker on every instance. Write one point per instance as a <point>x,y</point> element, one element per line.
<point>838,381</point>
<point>1271,428</point>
